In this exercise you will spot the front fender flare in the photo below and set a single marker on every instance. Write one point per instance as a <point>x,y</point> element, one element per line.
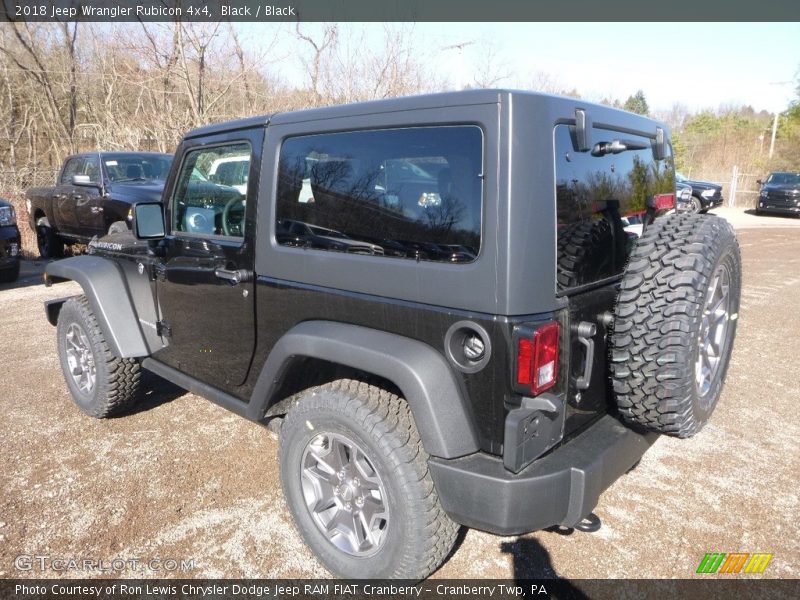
<point>104,286</point>
<point>420,372</point>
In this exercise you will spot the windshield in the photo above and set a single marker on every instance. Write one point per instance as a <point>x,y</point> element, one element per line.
<point>137,166</point>
<point>784,178</point>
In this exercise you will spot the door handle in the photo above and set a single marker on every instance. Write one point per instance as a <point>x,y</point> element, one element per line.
<point>586,332</point>
<point>234,277</point>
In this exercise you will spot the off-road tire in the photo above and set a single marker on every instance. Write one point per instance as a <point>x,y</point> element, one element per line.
<point>116,379</point>
<point>582,251</point>
<point>9,275</point>
<point>419,535</point>
<point>659,321</point>
<point>48,243</point>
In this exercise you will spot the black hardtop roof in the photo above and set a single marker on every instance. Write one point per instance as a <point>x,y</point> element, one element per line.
<point>404,103</point>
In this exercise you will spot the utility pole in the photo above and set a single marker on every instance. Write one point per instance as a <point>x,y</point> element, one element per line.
<point>774,131</point>
<point>775,120</point>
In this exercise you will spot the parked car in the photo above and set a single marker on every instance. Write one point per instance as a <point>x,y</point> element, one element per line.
<point>705,195</point>
<point>93,196</point>
<point>683,197</point>
<point>299,234</point>
<point>231,171</point>
<point>9,243</point>
<point>780,194</point>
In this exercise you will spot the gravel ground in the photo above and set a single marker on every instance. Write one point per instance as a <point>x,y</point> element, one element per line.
<point>183,479</point>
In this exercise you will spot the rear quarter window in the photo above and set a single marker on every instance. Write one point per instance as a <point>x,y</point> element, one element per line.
<point>600,200</point>
<point>412,193</point>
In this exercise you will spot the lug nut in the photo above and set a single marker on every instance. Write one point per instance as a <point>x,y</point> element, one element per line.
<point>360,501</point>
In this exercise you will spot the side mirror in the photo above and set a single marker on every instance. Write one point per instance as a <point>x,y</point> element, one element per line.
<point>84,180</point>
<point>148,221</point>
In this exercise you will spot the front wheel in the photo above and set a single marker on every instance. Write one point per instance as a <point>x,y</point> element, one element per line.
<point>356,480</point>
<point>101,384</point>
<point>118,227</point>
<point>50,246</point>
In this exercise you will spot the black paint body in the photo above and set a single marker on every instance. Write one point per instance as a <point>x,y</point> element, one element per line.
<point>222,335</point>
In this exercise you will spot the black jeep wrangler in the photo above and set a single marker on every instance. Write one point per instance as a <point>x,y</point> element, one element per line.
<point>438,296</point>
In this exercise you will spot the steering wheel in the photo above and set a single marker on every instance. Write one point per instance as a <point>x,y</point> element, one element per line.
<point>233,228</point>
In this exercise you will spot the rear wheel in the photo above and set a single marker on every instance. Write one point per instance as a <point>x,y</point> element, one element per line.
<point>675,323</point>
<point>356,480</point>
<point>101,384</point>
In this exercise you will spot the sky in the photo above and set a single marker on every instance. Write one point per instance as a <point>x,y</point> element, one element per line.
<point>700,65</point>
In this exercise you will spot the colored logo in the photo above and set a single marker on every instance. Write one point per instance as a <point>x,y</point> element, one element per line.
<point>735,562</point>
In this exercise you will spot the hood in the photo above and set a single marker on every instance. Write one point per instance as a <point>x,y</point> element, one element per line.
<point>780,187</point>
<point>702,185</point>
<point>137,191</point>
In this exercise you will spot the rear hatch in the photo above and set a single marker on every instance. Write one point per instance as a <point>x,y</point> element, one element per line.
<point>601,196</point>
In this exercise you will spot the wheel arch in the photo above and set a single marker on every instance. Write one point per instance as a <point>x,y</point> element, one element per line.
<point>105,288</point>
<point>419,372</point>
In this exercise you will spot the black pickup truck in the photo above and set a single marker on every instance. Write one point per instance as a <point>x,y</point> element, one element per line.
<point>93,196</point>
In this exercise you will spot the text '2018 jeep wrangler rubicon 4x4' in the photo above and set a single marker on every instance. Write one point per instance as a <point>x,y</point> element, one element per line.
<point>459,332</point>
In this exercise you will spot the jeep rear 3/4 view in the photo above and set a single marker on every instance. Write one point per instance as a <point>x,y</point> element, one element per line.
<point>439,298</point>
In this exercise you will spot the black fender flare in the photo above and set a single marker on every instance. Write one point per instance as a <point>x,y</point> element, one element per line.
<point>420,372</point>
<point>104,286</point>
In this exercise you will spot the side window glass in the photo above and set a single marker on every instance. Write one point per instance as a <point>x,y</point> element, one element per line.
<point>413,193</point>
<point>91,168</point>
<point>74,166</point>
<point>211,194</point>
<point>601,198</point>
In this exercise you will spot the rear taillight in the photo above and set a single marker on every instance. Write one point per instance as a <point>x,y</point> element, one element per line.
<point>664,201</point>
<point>537,359</point>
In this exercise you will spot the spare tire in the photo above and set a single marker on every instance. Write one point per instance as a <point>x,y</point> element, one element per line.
<point>675,322</point>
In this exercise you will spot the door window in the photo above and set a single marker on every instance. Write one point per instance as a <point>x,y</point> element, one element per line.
<point>74,166</point>
<point>211,194</point>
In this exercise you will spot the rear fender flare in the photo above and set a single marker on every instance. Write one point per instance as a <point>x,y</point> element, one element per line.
<point>420,372</point>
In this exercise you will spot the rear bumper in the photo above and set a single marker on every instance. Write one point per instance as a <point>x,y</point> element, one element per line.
<point>558,489</point>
